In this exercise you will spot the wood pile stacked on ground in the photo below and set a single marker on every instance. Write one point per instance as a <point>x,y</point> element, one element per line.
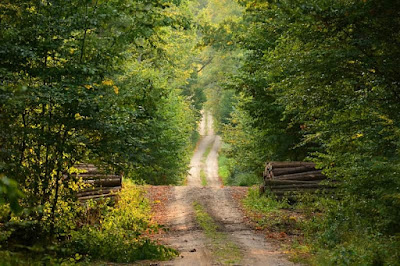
<point>101,185</point>
<point>291,178</point>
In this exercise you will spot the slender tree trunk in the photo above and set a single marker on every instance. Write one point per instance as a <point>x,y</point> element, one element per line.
<point>57,182</point>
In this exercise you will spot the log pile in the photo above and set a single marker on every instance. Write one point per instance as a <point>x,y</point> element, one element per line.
<point>291,178</point>
<point>101,185</point>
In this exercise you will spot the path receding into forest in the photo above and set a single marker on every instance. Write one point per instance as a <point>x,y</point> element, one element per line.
<point>206,224</point>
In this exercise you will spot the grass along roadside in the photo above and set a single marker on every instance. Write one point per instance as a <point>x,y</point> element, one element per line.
<point>308,235</point>
<point>280,222</point>
<point>225,251</point>
<point>104,232</point>
<point>223,169</point>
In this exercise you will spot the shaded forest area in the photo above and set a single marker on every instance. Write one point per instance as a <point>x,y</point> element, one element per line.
<point>319,81</point>
<point>121,84</point>
<point>100,82</point>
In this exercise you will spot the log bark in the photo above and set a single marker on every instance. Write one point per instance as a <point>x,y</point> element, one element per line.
<point>99,191</point>
<point>273,165</point>
<point>299,187</point>
<point>306,176</point>
<point>290,170</point>
<point>94,197</point>
<point>300,192</point>
<point>277,182</point>
<point>106,182</point>
<point>89,169</point>
<point>98,176</point>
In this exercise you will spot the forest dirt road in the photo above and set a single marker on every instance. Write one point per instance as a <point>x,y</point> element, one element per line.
<point>224,238</point>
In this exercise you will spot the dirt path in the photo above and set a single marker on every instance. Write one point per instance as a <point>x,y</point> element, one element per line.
<point>232,236</point>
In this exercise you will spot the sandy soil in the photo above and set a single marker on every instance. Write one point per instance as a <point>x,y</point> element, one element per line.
<point>187,237</point>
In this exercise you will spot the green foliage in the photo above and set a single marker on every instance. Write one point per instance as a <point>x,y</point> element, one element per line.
<point>91,81</point>
<point>120,234</point>
<point>78,85</point>
<point>9,192</point>
<point>262,203</point>
<point>245,149</point>
<point>96,230</point>
<point>223,168</point>
<point>203,178</point>
<point>319,80</point>
<point>362,249</point>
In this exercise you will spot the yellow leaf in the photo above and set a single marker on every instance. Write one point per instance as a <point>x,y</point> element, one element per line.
<point>78,116</point>
<point>116,90</point>
<point>107,82</point>
<point>87,86</point>
<point>358,135</point>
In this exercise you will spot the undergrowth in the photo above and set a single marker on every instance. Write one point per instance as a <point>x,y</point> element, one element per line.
<point>229,171</point>
<point>121,234</point>
<point>314,232</point>
<point>103,232</point>
<point>223,169</point>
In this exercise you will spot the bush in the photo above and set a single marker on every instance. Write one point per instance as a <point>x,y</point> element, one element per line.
<point>121,234</point>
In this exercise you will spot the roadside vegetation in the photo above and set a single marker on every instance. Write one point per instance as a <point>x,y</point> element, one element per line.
<point>96,232</point>
<point>318,81</point>
<point>110,83</point>
<point>120,84</point>
<point>297,228</point>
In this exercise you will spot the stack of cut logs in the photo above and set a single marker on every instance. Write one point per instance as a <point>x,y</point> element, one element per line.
<point>102,185</point>
<point>291,178</point>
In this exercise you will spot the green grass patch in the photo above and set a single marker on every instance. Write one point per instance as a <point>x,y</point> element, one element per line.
<point>223,168</point>
<point>230,174</point>
<point>279,220</point>
<point>267,212</point>
<point>203,178</point>
<point>207,152</point>
<point>262,203</point>
<point>203,175</point>
<point>245,179</point>
<point>206,120</point>
<point>225,251</point>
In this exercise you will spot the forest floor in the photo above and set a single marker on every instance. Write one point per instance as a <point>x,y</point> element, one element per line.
<point>204,220</point>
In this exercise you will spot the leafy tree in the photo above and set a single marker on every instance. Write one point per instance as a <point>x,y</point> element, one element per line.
<point>65,95</point>
<point>322,78</point>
